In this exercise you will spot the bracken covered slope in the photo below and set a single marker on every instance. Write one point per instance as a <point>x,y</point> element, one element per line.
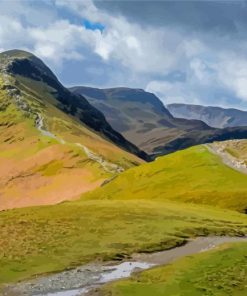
<point>47,155</point>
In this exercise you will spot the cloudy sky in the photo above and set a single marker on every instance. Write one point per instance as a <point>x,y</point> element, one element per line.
<point>184,51</point>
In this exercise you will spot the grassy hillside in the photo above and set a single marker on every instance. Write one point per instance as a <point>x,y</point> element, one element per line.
<point>51,238</point>
<point>192,175</point>
<point>220,272</point>
<point>47,156</point>
<point>29,74</point>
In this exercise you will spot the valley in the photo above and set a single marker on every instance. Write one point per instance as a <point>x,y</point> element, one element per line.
<point>88,279</point>
<point>123,148</point>
<point>80,203</point>
<point>79,232</point>
<point>145,121</point>
<point>147,220</point>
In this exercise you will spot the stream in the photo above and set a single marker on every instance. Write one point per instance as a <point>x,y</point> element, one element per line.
<point>83,279</point>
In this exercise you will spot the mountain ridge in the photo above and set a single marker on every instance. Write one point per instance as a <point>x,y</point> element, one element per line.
<point>214,116</point>
<point>144,120</point>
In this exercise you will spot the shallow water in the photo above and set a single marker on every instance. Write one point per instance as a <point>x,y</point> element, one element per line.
<point>123,270</point>
<point>76,292</point>
<point>79,281</point>
<point>110,273</point>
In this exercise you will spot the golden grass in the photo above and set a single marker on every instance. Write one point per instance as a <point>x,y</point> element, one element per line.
<point>191,175</point>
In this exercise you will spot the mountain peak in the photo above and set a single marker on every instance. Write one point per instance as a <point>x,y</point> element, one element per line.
<point>20,62</point>
<point>17,53</point>
<point>14,55</point>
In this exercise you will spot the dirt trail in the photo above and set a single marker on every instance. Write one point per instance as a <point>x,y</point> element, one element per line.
<point>85,279</point>
<point>228,159</point>
<point>106,165</point>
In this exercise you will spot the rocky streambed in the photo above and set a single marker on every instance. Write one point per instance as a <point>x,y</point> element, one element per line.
<point>82,280</point>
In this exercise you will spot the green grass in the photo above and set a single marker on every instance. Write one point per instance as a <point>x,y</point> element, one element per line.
<point>51,238</point>
<point>221,272</point>
<point>191,175</point>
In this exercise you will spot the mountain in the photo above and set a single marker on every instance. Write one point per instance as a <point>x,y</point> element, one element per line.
<point>31,67</point>
<point>214,116</point>
<point>53,144</point>
<point>143,119</point>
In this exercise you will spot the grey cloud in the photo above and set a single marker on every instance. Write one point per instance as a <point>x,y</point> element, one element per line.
<point>216,16</point>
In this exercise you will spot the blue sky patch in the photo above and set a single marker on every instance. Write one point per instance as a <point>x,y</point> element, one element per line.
<point>93,26</point>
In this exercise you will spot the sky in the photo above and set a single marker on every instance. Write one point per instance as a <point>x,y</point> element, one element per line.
<point>191,52</point>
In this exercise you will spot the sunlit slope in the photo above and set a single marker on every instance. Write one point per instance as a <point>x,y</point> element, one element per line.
<point>73,233</point>
<point>220,272</point>
<point>192,175</point>
<point>46,156</point>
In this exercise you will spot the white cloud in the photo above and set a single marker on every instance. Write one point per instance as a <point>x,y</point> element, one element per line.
<point>193,47</point>
<point>223,82</point>
<point>84,8</point>
<point>144,50</point>
<point>171,92</point>
<point>144,55</point>
<point>232,74</point>
<point>61,40</point>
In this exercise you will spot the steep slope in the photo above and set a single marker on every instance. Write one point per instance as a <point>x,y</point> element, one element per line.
<point>31,73</point>
<point>142,118</point>
<point>46,154</point>
<point>214,116</point>
<point>191,175</point>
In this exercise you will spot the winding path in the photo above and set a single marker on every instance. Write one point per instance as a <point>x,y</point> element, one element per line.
<point>227,158</point>
<point>106,165</point>
<point>39,123</point>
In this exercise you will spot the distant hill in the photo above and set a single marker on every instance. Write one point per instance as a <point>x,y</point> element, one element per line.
<point>53,144</point>
<point>143,119</point>
<point>214,116</point>
<point>193,175</point>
